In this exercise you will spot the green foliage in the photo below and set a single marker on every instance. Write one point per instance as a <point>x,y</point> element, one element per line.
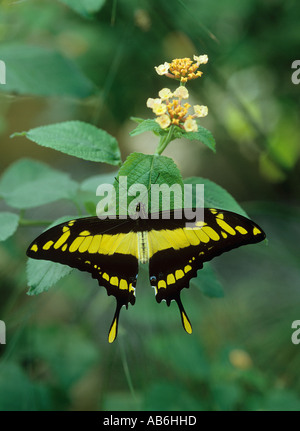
<point>8,224</point>
<point>208,282</point>
<point>148,170</point>
<point>78,139</point>
<point>215,196</point>
<point>29,184</point>
<point>203,135</point>
<point>35,70</point>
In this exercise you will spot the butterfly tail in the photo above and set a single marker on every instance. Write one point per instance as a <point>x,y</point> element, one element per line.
<point>113,331</point>
<point>184,318</point>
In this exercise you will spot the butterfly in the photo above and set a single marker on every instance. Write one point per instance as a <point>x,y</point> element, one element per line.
<point>175,248</point>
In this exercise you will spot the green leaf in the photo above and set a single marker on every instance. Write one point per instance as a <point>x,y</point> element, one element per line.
<point>203,135</point>
<point>78,139</point>
<point>36,70</point>
<point>43,274</point>
<point>208,282</point>
<point>149,170</point>
<point>91,184</point>
<point>28,184</point>
<point>146,126</point>
<point>8,224</point>
<point>215,196</point>
<point>84,8</point>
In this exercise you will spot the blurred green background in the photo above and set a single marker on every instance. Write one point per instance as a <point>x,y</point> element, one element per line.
<point>94,61</point>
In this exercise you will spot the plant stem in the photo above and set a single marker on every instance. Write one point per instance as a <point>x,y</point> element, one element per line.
<point>25,222</point>
<point>164,141</point>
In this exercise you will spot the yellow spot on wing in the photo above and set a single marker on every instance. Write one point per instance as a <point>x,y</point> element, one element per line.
<point>34,247</point>
<point>105,276</point>
<point>186,324</point>
<point>187,268</point>
<point>161,284</point>
<point>256,231</point>
<point>202,235</point>
<point>113,331</point>
<point>170,279</point>
<point>241,230</point>
<point>95,244</point>
<point>179,274</point>
<point>123,284</point>
<point>85,233</point>
<point>225,226</point>
<point>211,233</point>
<point>85,244</point>
<point>120,243</point>
<point>167,238</point>
<point>192,236</point>
<point>114,281</point>
<point>62,239</point>
<point>48,245</point>
<point>75,244</point>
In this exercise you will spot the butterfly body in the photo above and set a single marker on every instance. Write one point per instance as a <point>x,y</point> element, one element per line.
<point>174,247</point>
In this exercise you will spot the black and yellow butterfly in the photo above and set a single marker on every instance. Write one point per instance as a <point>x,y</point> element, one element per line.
<point>175,248</point>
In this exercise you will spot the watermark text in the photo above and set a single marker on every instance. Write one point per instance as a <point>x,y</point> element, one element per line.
<point>2,332</point>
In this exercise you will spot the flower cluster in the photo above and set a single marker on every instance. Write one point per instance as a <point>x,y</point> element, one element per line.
<point>171,108</point>
<point>183,69</point>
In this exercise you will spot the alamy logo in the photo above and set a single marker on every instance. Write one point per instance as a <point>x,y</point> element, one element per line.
<point>160,199</point>
<point>296,334</point>
<point>295,75</point>
<point>2,332</point>
<point>2,72</point>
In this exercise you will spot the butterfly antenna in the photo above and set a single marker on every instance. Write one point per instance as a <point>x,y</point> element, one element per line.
<point>113,331</point>
<point>184,318</point>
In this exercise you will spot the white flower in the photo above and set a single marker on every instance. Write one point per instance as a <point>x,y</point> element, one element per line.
<point>181,92</point>
<point>162,69</point>
<point>151,102</point>
<point>159,108</point>
<point>200,110</point>
<point>201,59</point>
<point>190,125</point>
<point>164,121</point>
<point>165,94</point>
